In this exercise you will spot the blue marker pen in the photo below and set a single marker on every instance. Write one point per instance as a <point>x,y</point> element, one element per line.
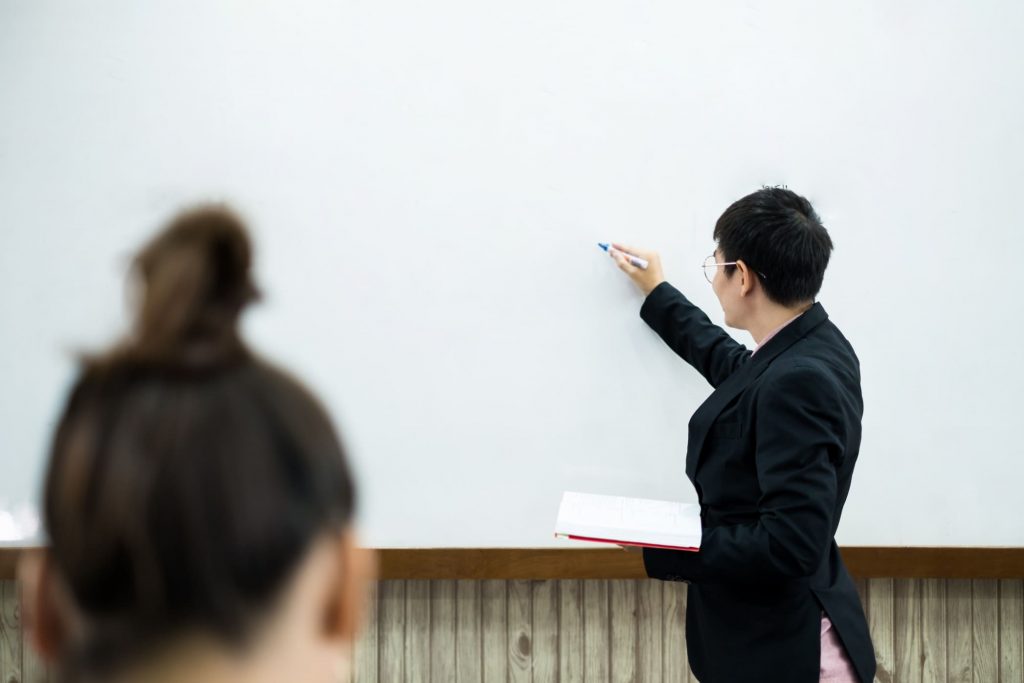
<point>635,260</point>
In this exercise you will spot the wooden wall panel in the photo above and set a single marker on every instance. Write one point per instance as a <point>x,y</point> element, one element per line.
<point>595,632</point>
<point>650,631</point>
<point>925,631</point>
<point>495,639</point>
<point>417,631</point>
<point>882,621</point>
<point>520,632</point>
<point>907,647</point>
<point>468,636</point>
<point>985,607</point>
<point>933,630</point>
<point>545,597</point>
<point>1011,631</point>
<point>442,631</point>
<point>11,661</point>
<point>365,655</point>
<point>622,629</point>
<point>675,667</point>
<point>959,627</point>
<point>570,631</point>
<point>391,630</point>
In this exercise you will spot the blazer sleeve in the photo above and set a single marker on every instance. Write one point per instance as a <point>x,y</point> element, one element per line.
<point>797,442</point>
<point>689,332</point>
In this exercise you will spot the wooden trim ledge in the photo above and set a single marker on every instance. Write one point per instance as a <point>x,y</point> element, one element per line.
<point>865,562</point>
<point>609,563</point>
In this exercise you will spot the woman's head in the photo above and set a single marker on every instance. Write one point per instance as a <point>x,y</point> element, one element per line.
<point>189,482</point>
<point>774,243</point>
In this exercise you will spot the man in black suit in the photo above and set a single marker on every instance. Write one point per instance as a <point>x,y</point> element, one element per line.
<point>771,453</point>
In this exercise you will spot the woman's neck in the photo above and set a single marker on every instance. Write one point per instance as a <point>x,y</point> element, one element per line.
<point>772,318</point>
<point>202,661</point>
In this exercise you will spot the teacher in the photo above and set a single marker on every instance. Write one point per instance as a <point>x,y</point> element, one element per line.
<point>771,453</point>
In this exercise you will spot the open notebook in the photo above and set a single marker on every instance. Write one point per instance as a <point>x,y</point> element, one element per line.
<point>629,521</point>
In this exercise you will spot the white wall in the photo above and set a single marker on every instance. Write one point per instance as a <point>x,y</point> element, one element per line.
<point>427,181</point>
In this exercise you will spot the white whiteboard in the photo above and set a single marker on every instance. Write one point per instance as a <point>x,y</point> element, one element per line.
<point>427,182</point>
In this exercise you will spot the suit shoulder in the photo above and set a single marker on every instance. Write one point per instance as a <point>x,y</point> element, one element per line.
<point>797,368</point>
<point>800,378</point>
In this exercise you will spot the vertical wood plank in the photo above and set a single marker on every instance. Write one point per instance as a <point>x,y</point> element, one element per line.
<point>520,632</point>
<point>391,630</point>
<point>907,630</point>
<point>650,638</point>
<point>494,622</point>
<point>1011,631</point>
<point>36,670</point>
<point>880,621</point>
<point>933,629</point>
<point>959,638</point>
<point>365,657</point>
<point>595,631</point>
<point>675,666</point>
<point>519,641</point>
<point>545,631</point>
<point>10,633</point>
<point>985,607</point>
<point>468,644</point>
<point>624,629</point>
<point>417,631</point>
<point>442,630</point>
<point>570,631</point>
<point>862,593</point>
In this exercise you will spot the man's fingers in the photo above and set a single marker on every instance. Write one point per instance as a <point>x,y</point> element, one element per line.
<point>635,251</point>
<point>622,262</point>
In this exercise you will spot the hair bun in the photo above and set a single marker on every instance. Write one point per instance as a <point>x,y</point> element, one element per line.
<point>195,281</point>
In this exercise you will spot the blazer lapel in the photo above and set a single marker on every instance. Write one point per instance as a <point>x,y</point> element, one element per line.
<point>705,416</point>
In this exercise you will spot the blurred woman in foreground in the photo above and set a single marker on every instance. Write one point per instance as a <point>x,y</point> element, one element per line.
<point>197,500</point>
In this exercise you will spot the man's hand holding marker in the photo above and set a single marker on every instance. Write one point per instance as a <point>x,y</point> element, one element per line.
<point>643,267</point>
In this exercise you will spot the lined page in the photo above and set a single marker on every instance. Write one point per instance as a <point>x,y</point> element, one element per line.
<point>639,521</point>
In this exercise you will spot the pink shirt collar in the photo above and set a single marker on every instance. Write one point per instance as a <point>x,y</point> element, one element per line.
<point>775,332</point>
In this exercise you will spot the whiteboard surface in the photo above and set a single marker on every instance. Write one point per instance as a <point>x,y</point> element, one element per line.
<point>427,182</point>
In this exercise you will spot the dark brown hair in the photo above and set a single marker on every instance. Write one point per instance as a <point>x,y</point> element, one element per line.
<point>187,477</point>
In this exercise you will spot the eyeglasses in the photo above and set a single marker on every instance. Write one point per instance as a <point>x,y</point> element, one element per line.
<point>711,267</point>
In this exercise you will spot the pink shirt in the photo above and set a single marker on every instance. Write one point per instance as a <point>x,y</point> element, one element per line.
<point>835,666</point>
<point>775,332</point>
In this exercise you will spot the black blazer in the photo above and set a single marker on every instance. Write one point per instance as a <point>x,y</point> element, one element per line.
<point>771,453</point>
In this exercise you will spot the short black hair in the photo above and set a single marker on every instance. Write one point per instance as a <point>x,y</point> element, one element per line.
<point>777,233</point>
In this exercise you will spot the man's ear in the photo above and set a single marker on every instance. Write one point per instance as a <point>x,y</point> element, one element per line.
<point>43,621</point>
<point>746,278</point>
<point>357,570</point>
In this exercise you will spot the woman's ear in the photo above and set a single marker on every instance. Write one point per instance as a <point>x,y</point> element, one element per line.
<point>746,278</point>
<point>43,621</point>
<point>357,570</point>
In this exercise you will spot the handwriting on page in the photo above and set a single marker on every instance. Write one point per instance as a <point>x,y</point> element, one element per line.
<point>631,513</point>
